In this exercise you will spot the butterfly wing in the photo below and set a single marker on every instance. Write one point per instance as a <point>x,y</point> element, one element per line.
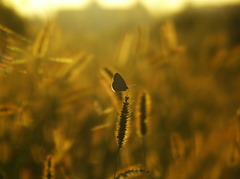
<point>118,84</point>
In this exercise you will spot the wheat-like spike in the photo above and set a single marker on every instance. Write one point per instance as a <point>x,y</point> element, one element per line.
<point>122,127</point>
<point>142,114</point>
<point>131,172</point>
<point>41,44</point>
<point>48,172</point>
<point>14,34</point>
<point>108,72</point>
<point>9,109</point>
<point>238,113</point>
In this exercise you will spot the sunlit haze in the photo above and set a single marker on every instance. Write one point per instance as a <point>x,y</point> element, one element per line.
<point>49,7</point>
<point>110,89</point>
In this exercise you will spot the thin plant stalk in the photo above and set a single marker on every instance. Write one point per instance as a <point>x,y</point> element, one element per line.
<point>144,152</point>
<point>116,164</point>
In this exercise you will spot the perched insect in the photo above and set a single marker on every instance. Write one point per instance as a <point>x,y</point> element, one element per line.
<point>118,84</point>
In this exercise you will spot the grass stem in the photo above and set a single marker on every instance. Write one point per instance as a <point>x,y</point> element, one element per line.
<point>116,164</point>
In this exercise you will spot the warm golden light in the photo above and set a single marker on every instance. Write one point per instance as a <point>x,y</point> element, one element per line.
<point>162,6</point>
<point>116,3</point>
<point>156,7</point>
<point>45,7</point>
<point>119,88</point>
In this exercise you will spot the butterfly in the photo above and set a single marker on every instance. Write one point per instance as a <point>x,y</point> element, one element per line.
<point>118,84</point>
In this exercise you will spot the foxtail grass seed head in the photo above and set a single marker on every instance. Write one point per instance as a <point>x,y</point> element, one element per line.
<point>122,127</point>
<point>49,171</point>
<point>108,72</point>
<point>131,172</point>
<point>238,113</point>
<point>41,45</point>
<point>142,113</point>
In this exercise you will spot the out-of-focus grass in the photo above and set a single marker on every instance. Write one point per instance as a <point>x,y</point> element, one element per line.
<point>54,100</point>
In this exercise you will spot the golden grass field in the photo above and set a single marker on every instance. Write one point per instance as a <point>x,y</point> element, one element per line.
<point>59,117</point>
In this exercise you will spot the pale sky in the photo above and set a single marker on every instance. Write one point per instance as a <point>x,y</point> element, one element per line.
<point>49,7</point>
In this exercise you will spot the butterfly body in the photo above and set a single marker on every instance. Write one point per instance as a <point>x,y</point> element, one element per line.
<point>118,84</point>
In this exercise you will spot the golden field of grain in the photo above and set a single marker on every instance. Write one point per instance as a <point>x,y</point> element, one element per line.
<point>178,119</point>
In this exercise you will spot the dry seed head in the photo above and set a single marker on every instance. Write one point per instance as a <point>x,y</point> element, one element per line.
<point>233,155</point>
<point>178,145</point>
<point>41,44</point>
<point>108,72</point>
<point>122,127</point>
<point>9,109</point>
<point>131,172</point>
<point>48,172</point>
<point>142,113</point>
<point>238,113</point>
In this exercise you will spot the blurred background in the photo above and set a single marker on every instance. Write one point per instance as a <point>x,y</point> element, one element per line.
<point>97,19</point>
<point>57,59</point>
